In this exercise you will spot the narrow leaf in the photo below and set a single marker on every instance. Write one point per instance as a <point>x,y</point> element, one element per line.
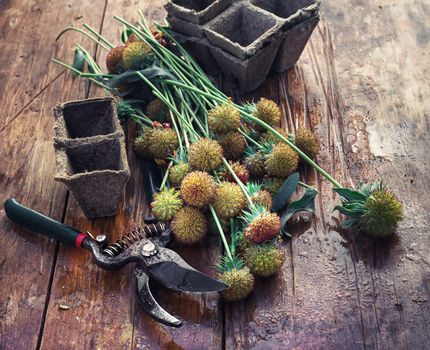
<point>280,200</point>
<point>131,76</point>
<point>305,203</point>
<point>350,195</point>
<point>78,62</point>
<point>125,35</point>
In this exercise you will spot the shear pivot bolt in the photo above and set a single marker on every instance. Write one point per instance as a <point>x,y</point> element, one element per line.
<point>149,249</point>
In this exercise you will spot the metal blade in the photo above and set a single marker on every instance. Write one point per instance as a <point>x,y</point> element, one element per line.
<point>184,279</point>
<point>149,304</point>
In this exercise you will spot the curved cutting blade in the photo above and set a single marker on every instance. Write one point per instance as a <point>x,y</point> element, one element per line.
<point>184,278</point>
<point>149,304</point>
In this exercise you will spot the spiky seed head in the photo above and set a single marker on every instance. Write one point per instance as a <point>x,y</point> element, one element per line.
<point>268,112</point>
<point>233,145</point>
<point>229,200</point>
<point>282,161</point>
<point>164,143</point>
<point>307,142</point>
<point>157,110</point>
<point>240,282</point>
<point>255,164</point>
<point>178,172</point>
<point>143,142</point>
<point>198,189</point>
<point>240,171</point>
<point>205,155</point>
<point>270,138</point>
<point>264,260</point>
<point>272,185</point>
<point>189,225</point>
<point>383,213</point>
<point>114,58</point>
<point>262,225</point>
<point>223,118</point>
<point>135,53</point>
<point>166,204</point>
<point>263,198</point>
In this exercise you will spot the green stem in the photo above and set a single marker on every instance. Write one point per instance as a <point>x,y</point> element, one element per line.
<point>249,138</point>
<point>240,183</point>
<point>92,30</point>
<point>166,176</point>
<point>83,33</point>
<point>269,128</point>
<point>221,232</point>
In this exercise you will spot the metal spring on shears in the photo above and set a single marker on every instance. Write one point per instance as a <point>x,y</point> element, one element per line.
<point>137,234</point>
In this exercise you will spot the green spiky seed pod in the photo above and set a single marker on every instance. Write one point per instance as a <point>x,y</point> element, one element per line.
<point>135,53</point>
<point>255,164</point>
<point>143,142</point>
<point>264,260</point>
<point>268,137</point>
<point>189,225</point>
<point>272,185</point>
<point>237,276</point>
<point>372,209</point>
<point>157,110</point>
<point>166,204</point>
<point>262,225</point>
<point>223,118</point>
<point>229,200</point>
<point>268,112</point>
<point>263,198</point>
<point>233,145</point>
<point>114,58</point>
<point>205,155</point>
<point>383,212</point>
<point>198,189</point>
<point>307,142</point>
<point>240,171</point>
<point>178,172</point>
<point>164,143</point>
<point>282,161</point>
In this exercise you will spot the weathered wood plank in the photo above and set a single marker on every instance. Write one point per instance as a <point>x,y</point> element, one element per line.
<point>30,87</point>
<point>101,300</point>
<point>359,84</point>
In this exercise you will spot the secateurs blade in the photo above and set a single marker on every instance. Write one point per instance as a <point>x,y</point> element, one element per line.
<point>144,246</point>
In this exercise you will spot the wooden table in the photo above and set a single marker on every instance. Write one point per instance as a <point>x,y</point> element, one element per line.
<point>362,84</point>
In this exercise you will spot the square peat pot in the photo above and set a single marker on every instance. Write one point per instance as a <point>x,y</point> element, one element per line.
<point>199,49</point>
<point>90,155</point>
<point>196,11</point>
<point>242,30</point>
<point>294,41</point>
<point>187,28</point>
<point>250,73</point>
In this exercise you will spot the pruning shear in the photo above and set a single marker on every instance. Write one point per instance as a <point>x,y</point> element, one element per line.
<point>144,246</point>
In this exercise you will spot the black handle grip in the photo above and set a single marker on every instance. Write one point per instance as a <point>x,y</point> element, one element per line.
<point>40,223</point>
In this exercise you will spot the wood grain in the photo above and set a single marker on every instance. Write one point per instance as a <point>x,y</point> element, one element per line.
<point>30,86</point>
<point>360,85</point>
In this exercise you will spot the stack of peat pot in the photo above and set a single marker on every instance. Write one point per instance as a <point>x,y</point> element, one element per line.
<point>90,155</point>
<point>244,39</point>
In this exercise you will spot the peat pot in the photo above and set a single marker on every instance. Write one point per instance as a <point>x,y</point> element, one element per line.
<point>90,155</point>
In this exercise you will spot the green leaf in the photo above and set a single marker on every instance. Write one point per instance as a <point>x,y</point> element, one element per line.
<point>280,200</point>
<point>125,34</point>
<point>350,195</point>
<point>353,213</point>
<point>305,203</point>
<point>78,61</point>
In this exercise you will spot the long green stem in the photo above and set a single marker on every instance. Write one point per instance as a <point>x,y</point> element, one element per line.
<point>65,30</point>
<point>239,182</point>
<point>269,128</point>
<point>221,232</point>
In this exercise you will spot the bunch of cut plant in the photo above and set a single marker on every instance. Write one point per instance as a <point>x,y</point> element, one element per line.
<point>227,167</point>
